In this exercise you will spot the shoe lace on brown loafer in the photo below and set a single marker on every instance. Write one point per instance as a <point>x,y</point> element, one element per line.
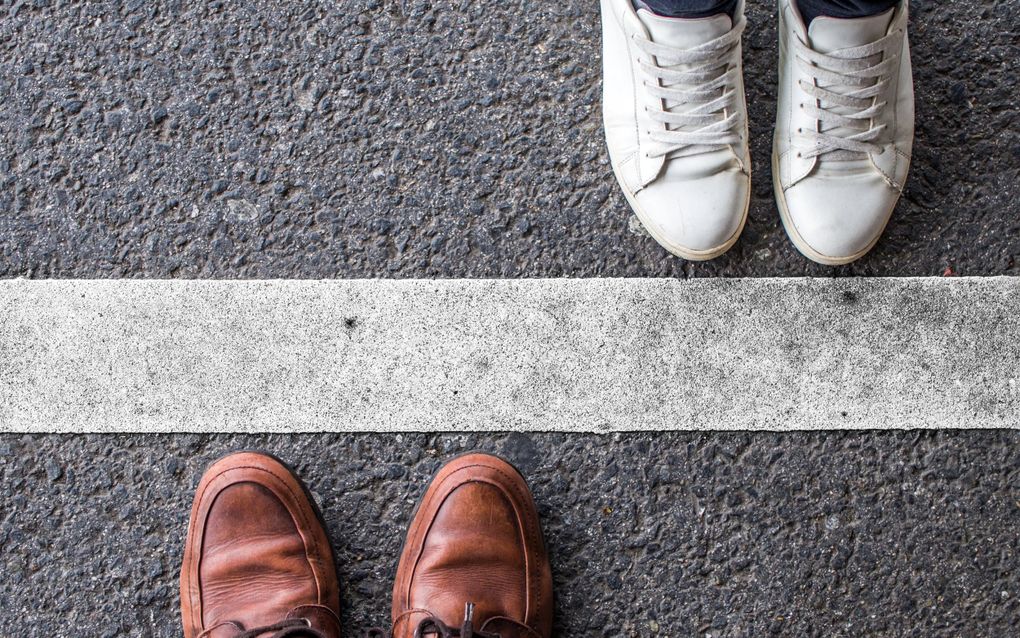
<point>288,628</point>
<point>432,626</point>
<point>441,630</point>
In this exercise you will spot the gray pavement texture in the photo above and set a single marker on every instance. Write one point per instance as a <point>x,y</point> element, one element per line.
<point>531,354</point>
<point>679,534</point>
<point>408,138</point>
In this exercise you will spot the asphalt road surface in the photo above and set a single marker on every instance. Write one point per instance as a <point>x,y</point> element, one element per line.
<point>680,534</point>
<point>416,139</point>
<point>406,138</point>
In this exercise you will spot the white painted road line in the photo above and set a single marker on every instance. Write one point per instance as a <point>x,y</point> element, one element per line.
<point>566,354</point>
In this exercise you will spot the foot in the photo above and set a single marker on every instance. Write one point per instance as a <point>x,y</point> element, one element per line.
<point>844,129</point>
<point>474,562</point>
<point>676,124</point>
<point>257,562</point>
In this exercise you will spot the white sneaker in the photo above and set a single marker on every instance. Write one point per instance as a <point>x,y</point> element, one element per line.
<point>676,125</point>
<point>844,129</point>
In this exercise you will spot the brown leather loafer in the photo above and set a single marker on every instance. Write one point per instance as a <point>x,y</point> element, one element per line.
<point>257,561</point>
<point>474,562</point>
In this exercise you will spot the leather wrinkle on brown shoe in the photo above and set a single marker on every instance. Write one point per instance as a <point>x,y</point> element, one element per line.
<point>474,560</point>
<point>258,562</point>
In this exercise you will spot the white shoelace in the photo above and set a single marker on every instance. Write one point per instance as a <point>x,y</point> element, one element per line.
<point>853,81</point>
<point>703,78</point>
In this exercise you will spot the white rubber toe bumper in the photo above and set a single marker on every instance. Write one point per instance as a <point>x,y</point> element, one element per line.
<point>696,218</point>
<point>836,221</point>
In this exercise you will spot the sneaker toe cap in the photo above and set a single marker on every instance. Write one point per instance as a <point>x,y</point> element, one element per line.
<point>839,220</point>
<point>696,217</point>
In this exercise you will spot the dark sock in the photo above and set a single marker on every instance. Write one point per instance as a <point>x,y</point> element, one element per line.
<point>811,9</point>
<point>688,8</point>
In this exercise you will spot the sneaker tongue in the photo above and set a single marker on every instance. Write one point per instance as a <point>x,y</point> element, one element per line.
<point>831,34</point>
<point>684,33</point>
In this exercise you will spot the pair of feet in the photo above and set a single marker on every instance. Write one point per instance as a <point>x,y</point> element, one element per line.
<point>258,562</point>
<point>677,127</point>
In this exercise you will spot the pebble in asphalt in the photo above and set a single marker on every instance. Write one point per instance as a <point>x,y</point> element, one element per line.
<point>672,534</point>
